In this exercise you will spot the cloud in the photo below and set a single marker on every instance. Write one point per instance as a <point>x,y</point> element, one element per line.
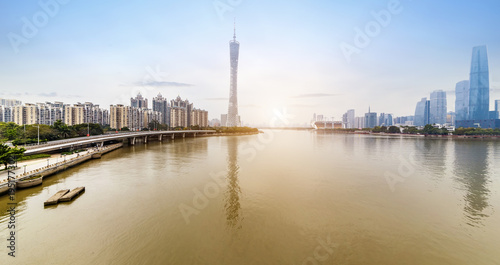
<point>315,95</point>
<point>163,84</point>
<point>215,99</point>
<point>302,106</point>
<point>48,95</point>
<point>250,106</point>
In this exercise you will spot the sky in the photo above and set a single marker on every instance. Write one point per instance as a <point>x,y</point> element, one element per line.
<point>296,57</point>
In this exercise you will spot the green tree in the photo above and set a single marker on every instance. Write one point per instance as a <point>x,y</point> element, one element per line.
<point>393,129</point>
<point>10,131</point>
<point>10,155</point>
<point>62,130</point>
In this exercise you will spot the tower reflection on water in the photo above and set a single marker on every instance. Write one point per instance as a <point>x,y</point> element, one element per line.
<point>471,171</point>
<point>233,192</point>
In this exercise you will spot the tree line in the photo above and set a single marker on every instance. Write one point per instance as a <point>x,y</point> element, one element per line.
<point>27,134</point>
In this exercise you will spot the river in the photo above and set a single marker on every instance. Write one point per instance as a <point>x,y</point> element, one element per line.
<point>282,197</point>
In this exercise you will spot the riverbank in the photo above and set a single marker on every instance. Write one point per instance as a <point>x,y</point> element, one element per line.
<point>231,134</point>
<point>433,136</point>
<point>46,170</point>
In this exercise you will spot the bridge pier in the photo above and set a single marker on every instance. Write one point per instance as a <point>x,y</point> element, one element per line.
<point>146,139</point>
<point>173,136</point>
<point>160,137</point>
<point>131,141</point>
<point>183,135</point>
<point>194,135</point>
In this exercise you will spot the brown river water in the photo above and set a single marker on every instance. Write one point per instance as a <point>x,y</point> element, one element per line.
<point>282,197</point>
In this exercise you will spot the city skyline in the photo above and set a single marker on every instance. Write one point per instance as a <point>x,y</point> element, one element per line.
<point>81,54</point>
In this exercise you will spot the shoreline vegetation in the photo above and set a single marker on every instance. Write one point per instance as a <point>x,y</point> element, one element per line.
<point>427,131</point>
<point>19,135</point>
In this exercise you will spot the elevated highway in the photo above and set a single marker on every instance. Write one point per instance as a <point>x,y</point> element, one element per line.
<point>99,140</point>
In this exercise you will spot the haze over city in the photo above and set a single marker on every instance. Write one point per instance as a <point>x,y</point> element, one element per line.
<point>290,56</point>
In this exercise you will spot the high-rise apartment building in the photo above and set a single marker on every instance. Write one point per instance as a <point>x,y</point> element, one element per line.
<point>25,114</point>
<point>199,117</point>
<point>10,102</point>
<point>180,112</point>
<point>118,116</point>
<point>74,115</point>
<point>139,102</point>
<point>160,104</point>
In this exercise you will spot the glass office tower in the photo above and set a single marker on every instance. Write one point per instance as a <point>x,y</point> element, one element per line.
<point>479,92</point>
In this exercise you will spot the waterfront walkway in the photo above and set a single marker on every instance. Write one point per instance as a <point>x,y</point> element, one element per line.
<point>30,167</point>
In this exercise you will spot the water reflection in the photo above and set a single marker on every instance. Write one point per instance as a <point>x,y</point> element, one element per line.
<point>232,199</point>
<point>471,170</point>
<point>432,154</point>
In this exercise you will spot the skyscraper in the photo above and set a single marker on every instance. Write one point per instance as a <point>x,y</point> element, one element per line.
<point>438,107</point>
<point>497,108</point>
<point>479,93</point>
<point>462,100</point>
<point>370,119</point>
<point>232,113</point>
<point>422,113</point>
<point>350,118</point>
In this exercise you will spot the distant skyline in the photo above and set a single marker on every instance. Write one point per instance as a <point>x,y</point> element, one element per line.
<point>291,55</point>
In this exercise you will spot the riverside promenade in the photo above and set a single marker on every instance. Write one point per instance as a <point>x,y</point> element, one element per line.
<point>57,163</point>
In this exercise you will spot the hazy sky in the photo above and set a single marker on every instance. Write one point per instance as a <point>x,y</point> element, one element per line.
<point>291,53</point>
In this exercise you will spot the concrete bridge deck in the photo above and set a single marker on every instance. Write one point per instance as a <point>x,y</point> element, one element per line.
<point>100,139</point>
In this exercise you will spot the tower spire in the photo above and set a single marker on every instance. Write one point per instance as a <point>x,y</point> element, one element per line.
<point>234,36</point>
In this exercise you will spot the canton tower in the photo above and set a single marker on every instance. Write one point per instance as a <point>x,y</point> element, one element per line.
<point>233,119</point>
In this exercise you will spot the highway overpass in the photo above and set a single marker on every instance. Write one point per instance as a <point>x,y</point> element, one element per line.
<point>131,137</point>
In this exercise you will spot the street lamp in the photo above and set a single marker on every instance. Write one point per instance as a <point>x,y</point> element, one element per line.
<point>38,134</point>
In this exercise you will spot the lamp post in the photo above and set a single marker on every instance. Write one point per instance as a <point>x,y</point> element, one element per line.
<point>38,134</point>
<point>88,129</point>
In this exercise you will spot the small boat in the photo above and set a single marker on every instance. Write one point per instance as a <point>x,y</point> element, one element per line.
<point>30,182</point>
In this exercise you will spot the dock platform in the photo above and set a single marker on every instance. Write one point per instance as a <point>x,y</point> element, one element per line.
<point>72,194</point>
<point>55,198</point>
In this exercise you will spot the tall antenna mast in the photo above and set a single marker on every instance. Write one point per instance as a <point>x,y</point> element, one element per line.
<point>234,36</point>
